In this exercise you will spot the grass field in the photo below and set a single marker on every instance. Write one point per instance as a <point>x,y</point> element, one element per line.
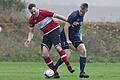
<point>34,71</point>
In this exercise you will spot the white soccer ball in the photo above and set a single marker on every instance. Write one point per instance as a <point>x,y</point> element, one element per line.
<point>0,29</point>
<point>49,73</point>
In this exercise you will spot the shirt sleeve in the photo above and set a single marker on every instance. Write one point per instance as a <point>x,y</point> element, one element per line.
<point>48,13</point>
<point>31,23</point>
<point>71,18</point>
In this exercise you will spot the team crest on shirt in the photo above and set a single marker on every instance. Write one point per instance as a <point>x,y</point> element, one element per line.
<point>35,21</point>
<point>78,20</point>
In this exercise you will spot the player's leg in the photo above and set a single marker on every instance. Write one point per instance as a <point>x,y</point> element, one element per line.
<point>56,41</point>
<point>65,47</point>
<point>49,61</point>
<point>45,49</point>
<point>59,62</point>
<point>64,58</point>
<point>82,50</point>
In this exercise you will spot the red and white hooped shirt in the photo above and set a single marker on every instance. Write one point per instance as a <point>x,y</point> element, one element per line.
<point>44,21</point>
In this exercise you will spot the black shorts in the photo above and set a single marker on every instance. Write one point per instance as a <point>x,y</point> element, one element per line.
<point>75,39</point>
<point>64,43</point>
<point>51,38</point>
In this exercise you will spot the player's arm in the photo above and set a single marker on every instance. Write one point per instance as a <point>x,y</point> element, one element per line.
<point>30,34</point>
<point>60,17</point>
<point>69,22</point>
<point>66,29</point>
<point>54,15</point>
<point>30,37</point>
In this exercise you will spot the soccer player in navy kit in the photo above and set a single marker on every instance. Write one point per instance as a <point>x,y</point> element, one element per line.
<point>71,37</point>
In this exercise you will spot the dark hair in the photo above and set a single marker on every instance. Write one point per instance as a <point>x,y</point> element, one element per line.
<point>84,5</point>
<point>31,6</point>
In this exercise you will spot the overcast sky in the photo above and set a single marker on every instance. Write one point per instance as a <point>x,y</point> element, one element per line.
<point>112,3</point>
<point>99,10</point>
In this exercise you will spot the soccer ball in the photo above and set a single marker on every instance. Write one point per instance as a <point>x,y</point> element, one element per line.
<point>0,29</point>
<point>49,73</point>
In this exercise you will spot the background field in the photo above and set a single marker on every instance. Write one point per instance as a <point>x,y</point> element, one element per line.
<point>34,71</point>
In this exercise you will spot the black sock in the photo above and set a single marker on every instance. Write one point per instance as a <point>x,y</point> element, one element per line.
<point>68,65</point>
<point>82,63</point>
<point>59,62</point>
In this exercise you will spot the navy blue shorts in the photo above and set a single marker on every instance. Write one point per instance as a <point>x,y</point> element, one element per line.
<point>64,43</point>
<point>51,38</point>
<point>75,39</point>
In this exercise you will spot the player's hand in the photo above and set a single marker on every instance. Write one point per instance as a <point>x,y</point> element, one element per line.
<point>27,42</point>
<point>75,23</point>
<point>69,42</point>
<point>71,45</point>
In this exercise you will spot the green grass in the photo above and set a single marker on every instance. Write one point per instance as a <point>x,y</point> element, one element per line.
<point>34,71</point>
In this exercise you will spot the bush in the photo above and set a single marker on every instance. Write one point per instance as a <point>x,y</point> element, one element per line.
<point>17,5</point>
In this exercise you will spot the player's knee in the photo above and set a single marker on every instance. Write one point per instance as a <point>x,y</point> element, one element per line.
<point>67,51</point>
<point>45,55</point>
<point>58,47</point>
<point>45,52</point>
<point>83,52</point>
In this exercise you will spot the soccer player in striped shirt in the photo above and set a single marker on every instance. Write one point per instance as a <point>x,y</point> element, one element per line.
<point>44,21</point>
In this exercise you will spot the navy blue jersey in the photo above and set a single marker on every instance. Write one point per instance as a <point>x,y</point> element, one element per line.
<point>75,31</point>
<point>75,17</point>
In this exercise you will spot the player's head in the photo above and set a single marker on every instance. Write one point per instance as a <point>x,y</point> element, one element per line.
<point>33,10</point>
<point>83,8</point>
